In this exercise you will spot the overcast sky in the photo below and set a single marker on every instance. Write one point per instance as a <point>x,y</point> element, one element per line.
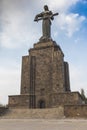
<point>18,33</point>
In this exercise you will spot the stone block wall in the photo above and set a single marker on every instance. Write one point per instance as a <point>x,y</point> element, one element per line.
<point>78,111</point>
<point>19,101</point>
<point>25,75</point>
<point>43,69</point>
<point>66,98</point>
<point>49,100</point>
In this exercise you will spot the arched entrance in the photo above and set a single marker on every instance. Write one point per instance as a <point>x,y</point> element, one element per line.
<point>41,104</point>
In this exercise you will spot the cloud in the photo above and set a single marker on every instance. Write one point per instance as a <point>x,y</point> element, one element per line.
<point>62,5</point>
<point>19,29</point>
<point>16,25</point>
<point>84,1</point>
<point>9,82</point>
<point>70,23</point>
<point>78,77</point>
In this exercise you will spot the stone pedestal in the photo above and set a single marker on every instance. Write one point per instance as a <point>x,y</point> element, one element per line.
<point>45,78</point>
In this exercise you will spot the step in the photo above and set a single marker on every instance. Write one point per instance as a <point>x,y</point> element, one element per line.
<point>34,113</point>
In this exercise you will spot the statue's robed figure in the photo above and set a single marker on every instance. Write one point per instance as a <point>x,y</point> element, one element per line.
<point>46,16</point>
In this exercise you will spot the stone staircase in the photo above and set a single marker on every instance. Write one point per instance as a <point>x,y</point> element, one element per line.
<point>51,113</point>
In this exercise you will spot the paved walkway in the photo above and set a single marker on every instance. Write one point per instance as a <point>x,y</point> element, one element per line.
<point>41,124</point>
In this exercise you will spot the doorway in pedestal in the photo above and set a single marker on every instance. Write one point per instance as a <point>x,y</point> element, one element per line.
<point>41,104</point>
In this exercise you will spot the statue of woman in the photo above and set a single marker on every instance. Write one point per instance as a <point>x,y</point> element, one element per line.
<point>46,16</point>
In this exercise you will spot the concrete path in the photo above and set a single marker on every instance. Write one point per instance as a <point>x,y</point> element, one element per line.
<point>43,124</point>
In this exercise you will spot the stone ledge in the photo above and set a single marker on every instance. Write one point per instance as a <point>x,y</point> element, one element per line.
<point>45,44</point>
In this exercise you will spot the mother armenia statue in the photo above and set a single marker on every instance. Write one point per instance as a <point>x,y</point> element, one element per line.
<point>46,16</point>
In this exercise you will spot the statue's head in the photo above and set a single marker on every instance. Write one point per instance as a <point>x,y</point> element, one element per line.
<point>46,8</point>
